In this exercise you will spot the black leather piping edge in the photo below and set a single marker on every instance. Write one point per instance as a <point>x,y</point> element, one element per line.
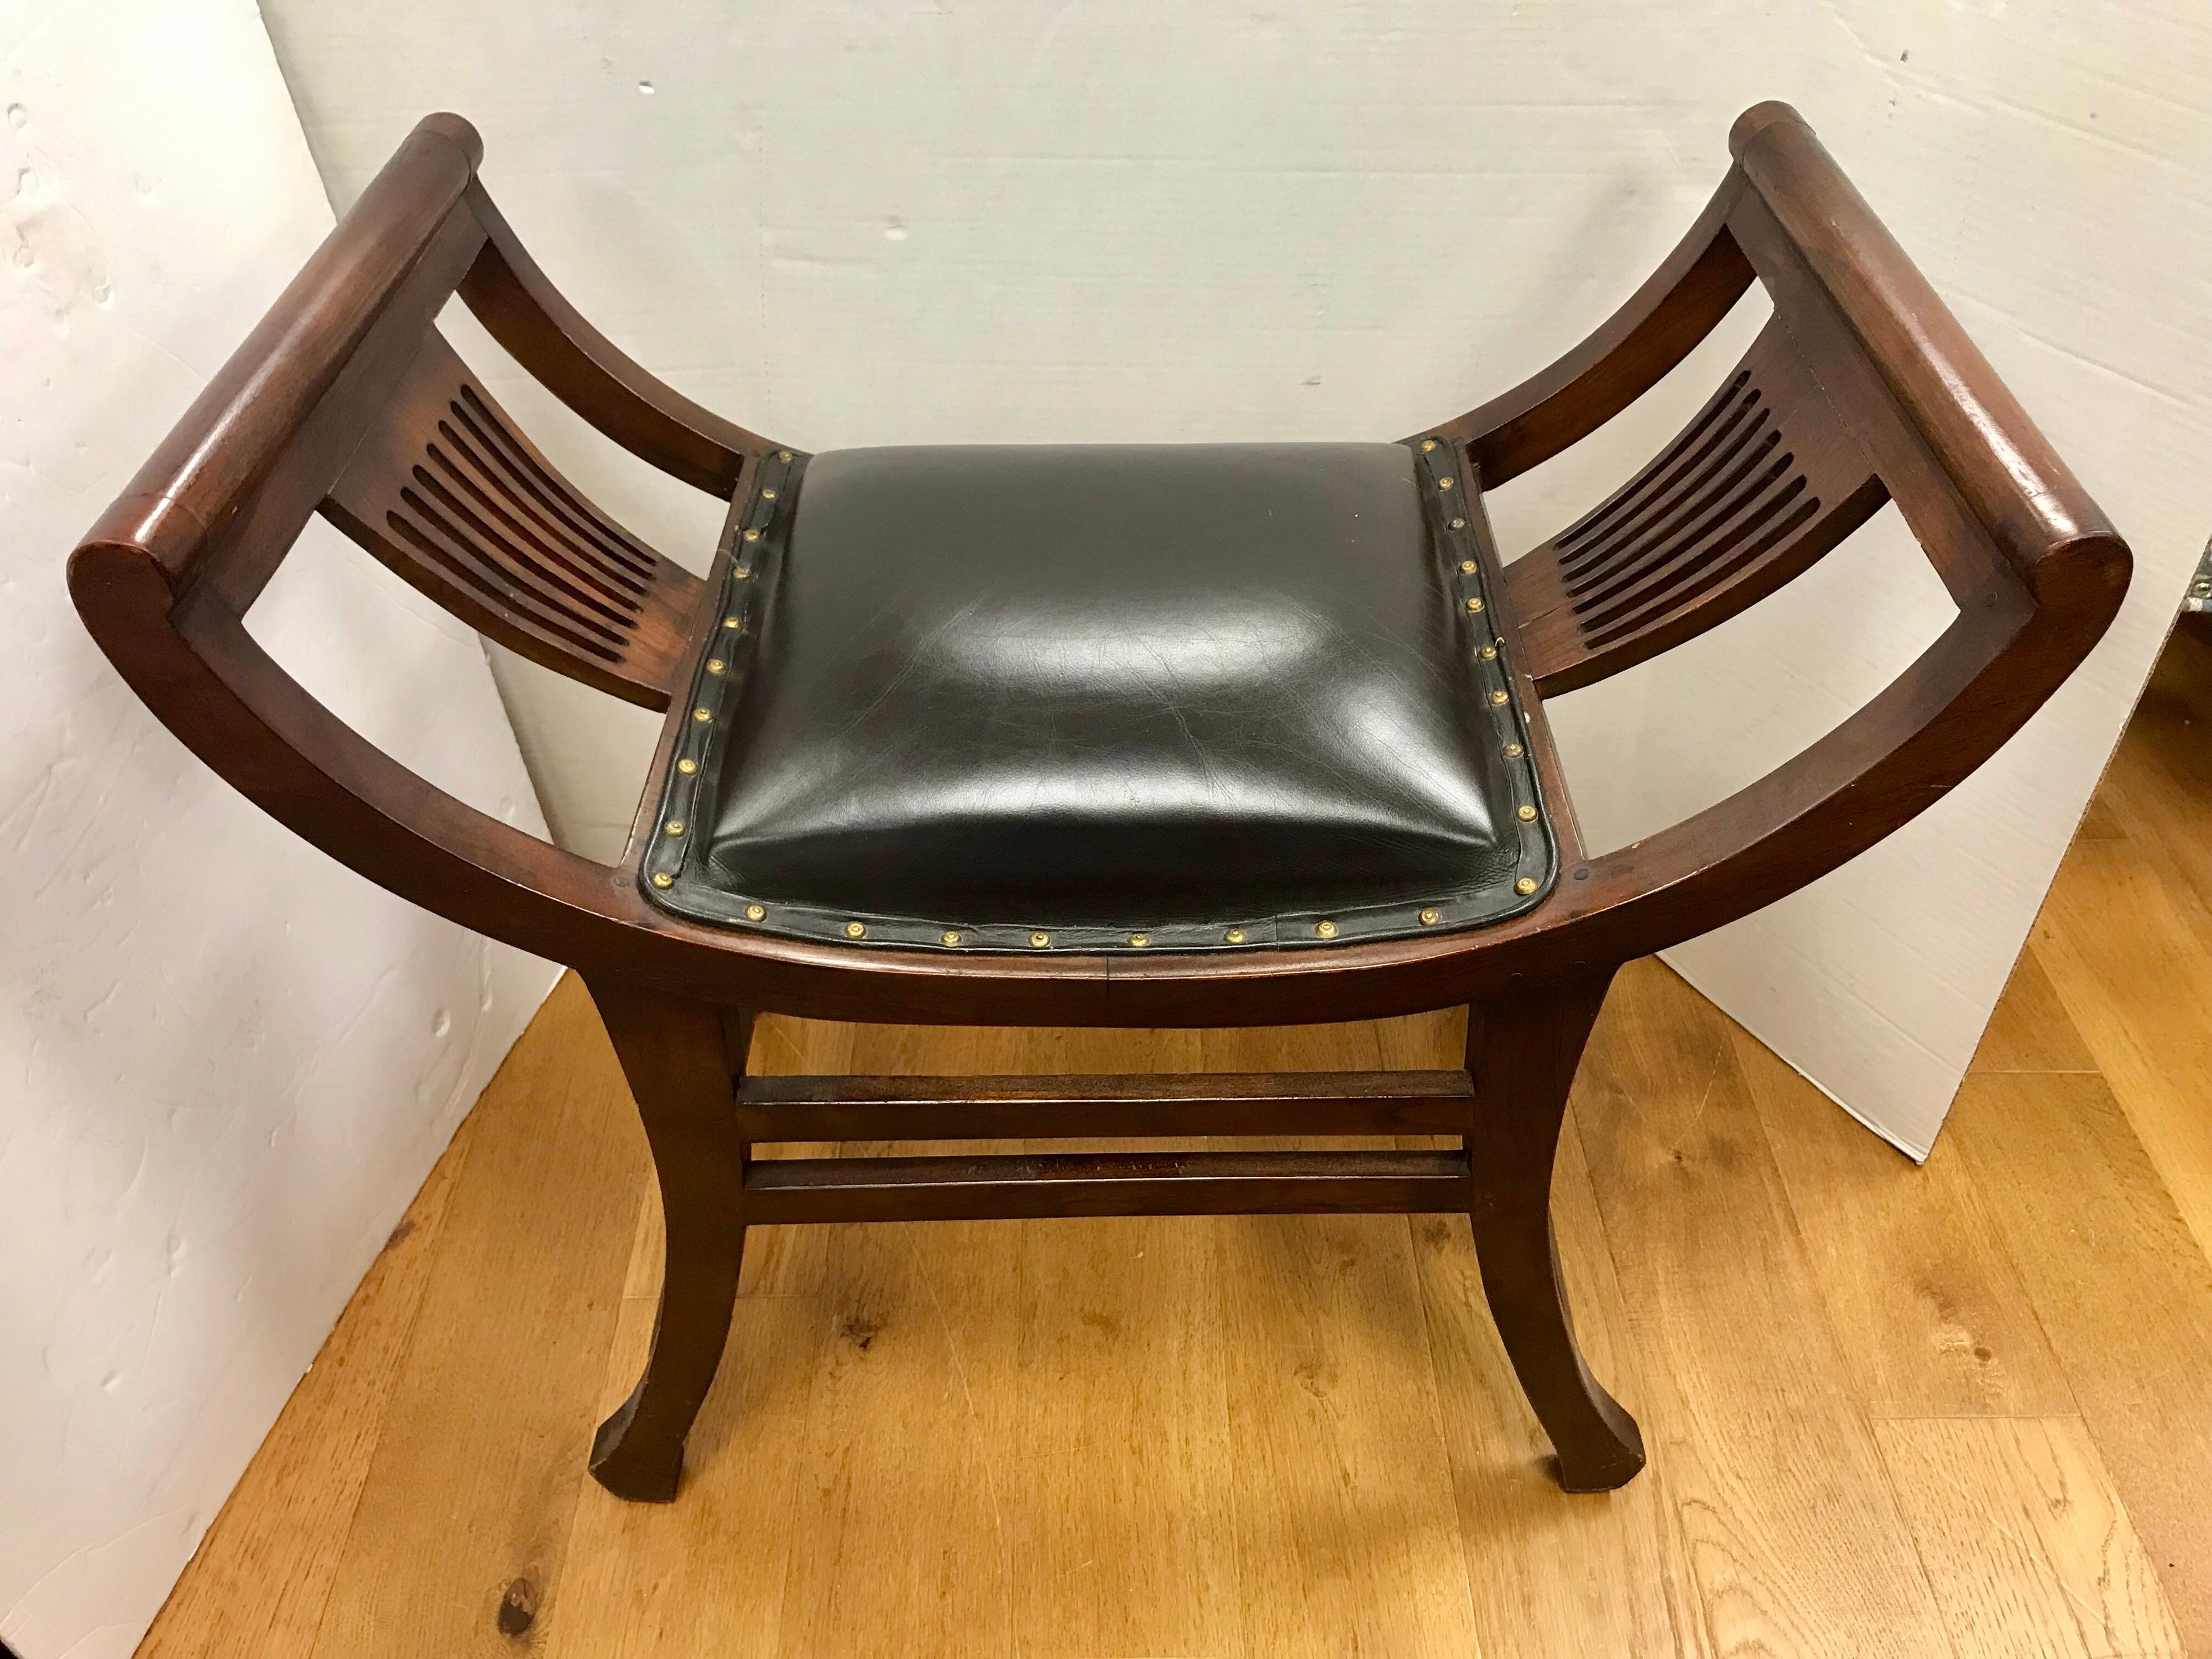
<point>674,880</point>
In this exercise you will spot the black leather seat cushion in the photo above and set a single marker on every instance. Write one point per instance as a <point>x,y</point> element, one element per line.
<point>1171,692</point>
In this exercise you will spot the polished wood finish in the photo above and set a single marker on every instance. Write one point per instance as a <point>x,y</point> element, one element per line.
<point>1006,1186</point>
<point>346,401</point>
<point>1761,483</point>
<point>448,492</point>
<point>680,1060</point>
<point>1956,1411</point>
<point>541,330</point>
<point>1522,1053</point>
<point>1678,306</point>
<point>1187,1104</point>
<point>2039,572</point>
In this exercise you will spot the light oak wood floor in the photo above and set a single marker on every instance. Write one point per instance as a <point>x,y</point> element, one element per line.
<point>1959,1410</point>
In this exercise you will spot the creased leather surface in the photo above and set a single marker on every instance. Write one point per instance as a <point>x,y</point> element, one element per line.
<point>1112,687</point>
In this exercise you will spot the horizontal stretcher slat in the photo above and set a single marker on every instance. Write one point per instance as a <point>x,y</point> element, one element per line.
<point>811,1189</point>
<point>1028,1108</point>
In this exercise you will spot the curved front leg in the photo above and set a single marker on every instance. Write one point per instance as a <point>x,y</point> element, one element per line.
<point>682,1059</point>
<point>1521,1052</point>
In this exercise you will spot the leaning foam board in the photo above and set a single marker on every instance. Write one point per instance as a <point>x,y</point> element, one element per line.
<point>226,1062</point>
<point>853,223</point>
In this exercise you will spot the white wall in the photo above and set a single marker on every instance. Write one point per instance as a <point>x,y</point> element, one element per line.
<point>851,222</point>
<point>225,1063</point>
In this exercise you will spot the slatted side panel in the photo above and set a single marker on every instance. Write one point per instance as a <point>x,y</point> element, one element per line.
<point>1727,491</point>
<point>450,493</point>
<point>479,506</point>
<point>1763,480</point>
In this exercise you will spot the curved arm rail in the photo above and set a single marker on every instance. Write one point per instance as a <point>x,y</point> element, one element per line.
<point>301,416</point>
<point>246,465</point>
<point>1678,306</point>
<point>1874,392</point>
<point>542,331</point>
<point>344,399</point>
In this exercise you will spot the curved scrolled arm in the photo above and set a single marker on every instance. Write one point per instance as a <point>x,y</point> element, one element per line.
<point>344,399</point>
<point>1867,389</point>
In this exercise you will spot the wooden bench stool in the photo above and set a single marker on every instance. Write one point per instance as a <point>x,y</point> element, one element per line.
<point>1145,736</point>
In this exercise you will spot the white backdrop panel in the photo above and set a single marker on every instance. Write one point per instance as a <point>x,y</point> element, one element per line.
<point>846,222</point>
<point>225,1063</point>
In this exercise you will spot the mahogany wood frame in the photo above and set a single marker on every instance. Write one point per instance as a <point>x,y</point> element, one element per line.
<point>1862,389</point>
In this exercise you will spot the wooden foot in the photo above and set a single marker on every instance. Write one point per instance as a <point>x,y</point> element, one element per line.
<point>1521,1052</point>
<point>681,1059</point>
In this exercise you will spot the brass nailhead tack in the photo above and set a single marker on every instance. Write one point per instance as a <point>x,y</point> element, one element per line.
<point>701,715</point>
<point>1474,603</point>
<point>731,621</point>
<point>1428,918</point>
<point>1489,652</point>
<point>1427,444</point>
<point>1525,886</point>
<point>854,930</point>
<point>1235,936</point>
<point>752,534</point>
<point>768,495</point>
<point>1040,939</point>
<point>1513,751</point>
<point>783,455</point>
<point>1460,524</point>
<point>1467,567</point>
<point>1443,484</point>
<point>674,826</point>
<point>686,767</point>
<point>713,664</point>
<point>662,878</point>
<point>741,574</point>
<point>1526,814</point>
<point>1326,929</point>
<point>1498,696</point>
<point>755,912</point>
<point>949,936</point>
<point>1140,939</point>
